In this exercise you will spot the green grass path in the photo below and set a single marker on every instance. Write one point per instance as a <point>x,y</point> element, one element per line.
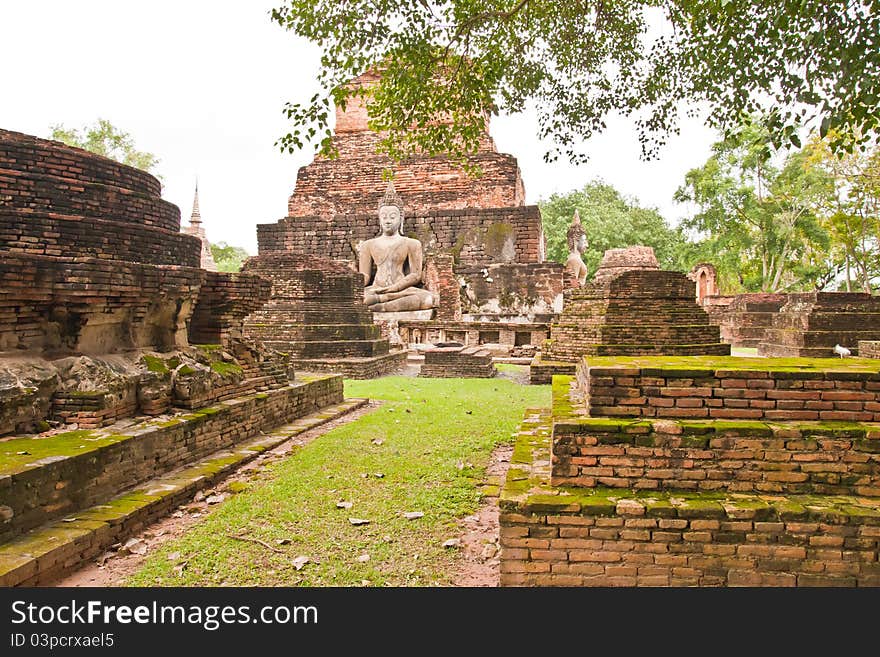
<point>436,436</point>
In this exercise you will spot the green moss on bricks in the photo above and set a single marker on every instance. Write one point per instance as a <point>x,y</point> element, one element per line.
<point>226,369</point>
<point>701,365</point>
<point>186,370</point>
<point>155,364</point>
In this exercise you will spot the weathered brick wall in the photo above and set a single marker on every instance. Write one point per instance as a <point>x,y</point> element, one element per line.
<point>93,305</point>
<point>354,182</point>
<point>742,458</point>
<point>718,393</point>
<point>603,531</point>
<point>811,324</point>
<point>745,319</point>
<point>454,362</point>
<point>224,302</point>
<point>440,278</point>
<point>316,310</point>
<point>60,235</point>
<point>93,261</point>
<point>25,153</point>
<point>869,349</point>
<point>642,544</point>
<point>39,492</point>
<point>474,235</point>
<point>511,288</point>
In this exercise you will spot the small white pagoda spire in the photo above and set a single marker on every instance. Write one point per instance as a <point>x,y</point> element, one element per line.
<point>195,228</point>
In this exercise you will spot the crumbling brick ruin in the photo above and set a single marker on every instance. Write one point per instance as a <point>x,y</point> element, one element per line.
<point>745,318</point>
<point>124,357</point>
<point>457,361</point>
<point>317,316</point>
<point>494,241</point>
<point>630,308</point>
<point>712,471</point>
<point>812,323</point>
<point>869,348</point>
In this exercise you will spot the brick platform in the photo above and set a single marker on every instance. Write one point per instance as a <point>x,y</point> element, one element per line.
<point>317,316</point>
<point>46,477</point>
<point>745,318</point>
<point>733,388</point>
<point>41,556</point>
<point>600,501</point>
<point>811,324</point>
<point>869,349</point>
<point>458,361</point>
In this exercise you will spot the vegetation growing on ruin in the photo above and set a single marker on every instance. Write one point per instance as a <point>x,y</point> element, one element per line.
<point>429,441</point>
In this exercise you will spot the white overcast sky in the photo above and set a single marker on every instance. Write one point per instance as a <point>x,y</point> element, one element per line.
<point>201,84</point>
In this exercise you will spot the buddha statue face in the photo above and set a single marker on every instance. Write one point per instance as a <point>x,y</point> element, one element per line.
<point>390,220</point>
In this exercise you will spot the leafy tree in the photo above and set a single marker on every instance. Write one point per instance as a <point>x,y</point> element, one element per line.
<point>105,139</point>
<point>852,213</point>
<point>445,63</point>
<point>610,221</point>
<point>759,216</point>
<point>228,258</point>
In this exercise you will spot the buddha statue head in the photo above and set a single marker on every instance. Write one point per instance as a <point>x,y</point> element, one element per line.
<point>576,235</point>
<point>391,212</point>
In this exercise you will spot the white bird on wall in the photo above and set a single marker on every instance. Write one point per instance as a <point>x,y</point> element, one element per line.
<point>843,351</point>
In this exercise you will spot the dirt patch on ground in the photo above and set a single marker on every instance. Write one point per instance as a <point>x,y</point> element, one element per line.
<point>480,564</point>
<point>115,566</point>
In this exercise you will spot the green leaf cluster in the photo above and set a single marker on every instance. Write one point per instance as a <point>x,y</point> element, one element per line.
<point>447,64</point>
<point>105,139</point>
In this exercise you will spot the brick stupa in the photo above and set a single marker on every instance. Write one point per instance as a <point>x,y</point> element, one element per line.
<point>631,308</point>
<point>317,316</point>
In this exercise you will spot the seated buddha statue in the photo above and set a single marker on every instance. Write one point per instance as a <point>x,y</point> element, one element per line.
<point>398,263</point>
<point>577,244</point>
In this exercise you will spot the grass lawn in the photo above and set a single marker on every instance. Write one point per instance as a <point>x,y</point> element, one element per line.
<point>436,436</point>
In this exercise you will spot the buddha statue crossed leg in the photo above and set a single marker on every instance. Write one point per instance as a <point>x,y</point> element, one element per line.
<point>398,261</point>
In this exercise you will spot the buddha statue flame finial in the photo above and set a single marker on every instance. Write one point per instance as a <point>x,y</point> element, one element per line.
<point>391,198</point>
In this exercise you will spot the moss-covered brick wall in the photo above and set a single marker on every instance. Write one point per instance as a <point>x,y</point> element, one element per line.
<point>42,478</point>
<point>733,388</point>
<point>811,324</point>
<point>736,456</point>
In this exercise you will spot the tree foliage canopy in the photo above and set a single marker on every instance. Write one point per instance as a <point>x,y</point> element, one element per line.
<point>610,221</point>
<point>228,258</point>
<point>799,61</point>
<point>105,139</point>
<point>777,221</point>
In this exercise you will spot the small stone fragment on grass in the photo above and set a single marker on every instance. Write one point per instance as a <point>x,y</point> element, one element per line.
<point>413,515</point>
<point>215,499</point>
<point>173,556</point>
<point>282,541</point>
<point>379,475</point>
<point>300,561</point>
<point>364,558</point>
<point>133,546</point>
<point>365,582</point>
<point>377,441</point>
<point>344,505</point>
<point>358,521</point>
<point>452,543</point>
